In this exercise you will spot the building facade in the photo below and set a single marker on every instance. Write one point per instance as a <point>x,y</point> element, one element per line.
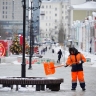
<point>53,14</point>
<point>11,15</point>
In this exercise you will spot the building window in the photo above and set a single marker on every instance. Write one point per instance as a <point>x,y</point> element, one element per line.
<point>46,6</point>
<point>66,17</point>
<point>3,7</point>
<point>3,16</point>
<point>42,12</point>
<point>55,20</point>
<point>3,12</point>
<point>3,3</point>
<point>50,6</point>
<point>66,7</point>
<point>55,14</point>
<point>42,17</point>
<point>55,9</point>
<point>42,6</point>
<point>55,27</point>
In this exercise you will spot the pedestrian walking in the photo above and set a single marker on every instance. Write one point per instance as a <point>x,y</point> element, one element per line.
<point>90,50</point>
<point>75,60</point>
<point>59,55</point>
<point>43,50</point>
<point>52,50</point>
<point>46,48</point>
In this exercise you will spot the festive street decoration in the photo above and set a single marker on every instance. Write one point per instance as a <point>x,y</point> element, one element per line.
<point>2,50</point>
<point>17,45</point>
<point>35,60</point>
<point>4,47</point>
<point>16,48</point>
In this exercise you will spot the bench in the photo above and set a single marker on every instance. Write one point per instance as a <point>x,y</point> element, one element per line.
<point>52,83</point>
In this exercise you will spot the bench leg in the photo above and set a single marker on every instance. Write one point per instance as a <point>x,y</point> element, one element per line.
<point>11,87</point>
<point>6,85</point>
<point>48,86</point>
<point>42,87</point>
<point>16,87</point>
<point>37,87</point>
<point>55,87</point>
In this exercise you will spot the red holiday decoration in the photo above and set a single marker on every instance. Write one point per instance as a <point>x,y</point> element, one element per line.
<point>21,40</point>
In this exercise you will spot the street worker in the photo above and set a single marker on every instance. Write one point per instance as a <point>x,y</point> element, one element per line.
<point>75,60</point>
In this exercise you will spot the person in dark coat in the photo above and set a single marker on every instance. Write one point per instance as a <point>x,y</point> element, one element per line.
<point>90,50</point>
<point>59,55</point>
<point>52,50</point>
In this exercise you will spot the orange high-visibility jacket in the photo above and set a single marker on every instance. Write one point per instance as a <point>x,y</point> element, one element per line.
<point>73,60</point>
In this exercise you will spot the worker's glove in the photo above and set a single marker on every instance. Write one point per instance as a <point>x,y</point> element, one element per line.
<point>65,65</point>
<point>81,62</point>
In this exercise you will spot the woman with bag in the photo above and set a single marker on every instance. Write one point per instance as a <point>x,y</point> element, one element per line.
<point>76,59</point>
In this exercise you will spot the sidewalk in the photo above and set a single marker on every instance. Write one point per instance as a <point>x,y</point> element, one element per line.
<point>38,71</point>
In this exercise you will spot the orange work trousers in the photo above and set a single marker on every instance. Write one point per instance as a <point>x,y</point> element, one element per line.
<point>77,75</point>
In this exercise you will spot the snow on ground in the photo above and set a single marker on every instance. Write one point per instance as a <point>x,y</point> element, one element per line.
<point>56,48</point>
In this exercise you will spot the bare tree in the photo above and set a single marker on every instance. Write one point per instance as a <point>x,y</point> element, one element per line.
<point>61,34</point>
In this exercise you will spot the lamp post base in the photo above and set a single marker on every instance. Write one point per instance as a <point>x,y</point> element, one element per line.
<point>30,68</point>
<point>23,72</point>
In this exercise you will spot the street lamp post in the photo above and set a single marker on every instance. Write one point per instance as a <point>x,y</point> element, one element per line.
<point>31,45</point>
<point>33,8</point>
<point>23,65</point>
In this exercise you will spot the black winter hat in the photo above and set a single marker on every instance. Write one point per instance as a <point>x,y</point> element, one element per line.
<point>71,49</point>
<point>74,50</point>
